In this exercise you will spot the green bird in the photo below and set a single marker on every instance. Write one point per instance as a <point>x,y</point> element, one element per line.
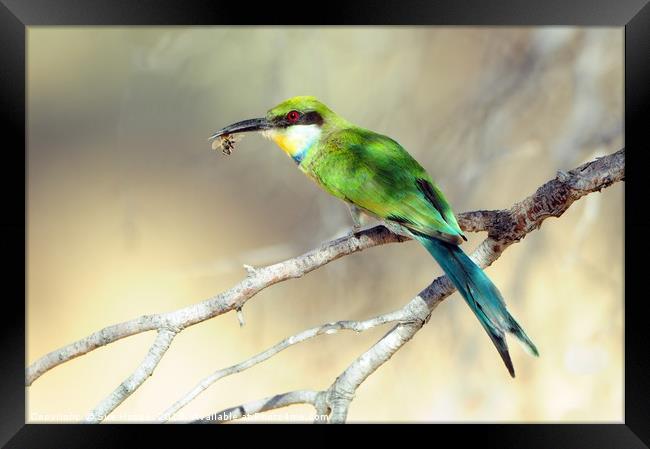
<point>374,174</point>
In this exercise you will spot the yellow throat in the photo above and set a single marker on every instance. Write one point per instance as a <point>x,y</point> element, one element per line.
<point>295,140</point>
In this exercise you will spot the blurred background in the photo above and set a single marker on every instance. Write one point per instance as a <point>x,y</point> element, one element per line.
<point>130,212</point>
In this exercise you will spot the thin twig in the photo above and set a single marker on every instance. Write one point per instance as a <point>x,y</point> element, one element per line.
<point>261,405</point>
<point>143,372</point>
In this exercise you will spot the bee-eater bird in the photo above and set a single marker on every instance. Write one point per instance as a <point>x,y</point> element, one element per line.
<point>372,173</point>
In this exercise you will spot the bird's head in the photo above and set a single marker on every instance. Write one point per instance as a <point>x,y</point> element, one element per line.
<point>295,125</point>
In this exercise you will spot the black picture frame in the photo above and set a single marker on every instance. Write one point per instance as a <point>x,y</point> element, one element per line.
<point>634,15</point>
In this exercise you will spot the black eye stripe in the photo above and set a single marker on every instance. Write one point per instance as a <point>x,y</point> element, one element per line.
<point>308,118</point>
<point>311,118</point>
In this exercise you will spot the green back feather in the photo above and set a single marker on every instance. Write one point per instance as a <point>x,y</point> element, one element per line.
<point>376,174</point>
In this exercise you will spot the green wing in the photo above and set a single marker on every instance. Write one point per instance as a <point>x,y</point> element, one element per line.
<point>376,174</point>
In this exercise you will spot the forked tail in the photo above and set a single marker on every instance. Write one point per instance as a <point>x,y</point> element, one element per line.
<point>481,295</point>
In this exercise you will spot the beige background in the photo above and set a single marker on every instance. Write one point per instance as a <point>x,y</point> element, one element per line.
<point>130,212</point>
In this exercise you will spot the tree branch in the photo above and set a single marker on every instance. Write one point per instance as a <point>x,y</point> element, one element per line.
<point>133,382</point>
<point>261,405</point>
<point>504,227</point>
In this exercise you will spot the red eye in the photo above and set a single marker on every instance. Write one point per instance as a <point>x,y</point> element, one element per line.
<point>293,116</point>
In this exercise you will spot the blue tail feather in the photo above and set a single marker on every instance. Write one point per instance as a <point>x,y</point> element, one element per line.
<point>481,296</point>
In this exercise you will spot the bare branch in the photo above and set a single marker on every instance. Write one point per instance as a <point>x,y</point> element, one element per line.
<point>133,382</point>
<point>262,405</point>
<point>93,341</point>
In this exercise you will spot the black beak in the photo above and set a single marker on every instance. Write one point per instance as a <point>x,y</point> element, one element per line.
<point>255,124</point>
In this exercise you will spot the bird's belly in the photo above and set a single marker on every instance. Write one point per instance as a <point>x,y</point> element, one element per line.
<point>327,172</point>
